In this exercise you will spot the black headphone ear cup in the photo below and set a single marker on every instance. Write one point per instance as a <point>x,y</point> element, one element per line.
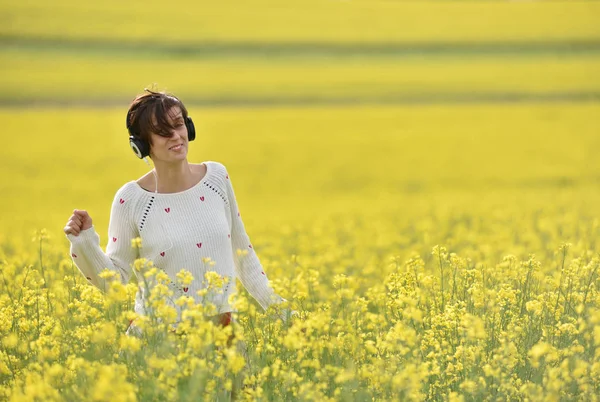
<point>191,129</point>
<point>140,148</point>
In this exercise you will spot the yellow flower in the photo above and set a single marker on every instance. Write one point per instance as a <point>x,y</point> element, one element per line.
<point>469,386</point>
<point>11,340</point>
<point>213,280</point>
<point>185,277</point>
<point>339,281</point>
<point>534,307</point>
<point>106,334</point>
<point>235,362</point>
<point>129,343</point>
<point>40,235</point>
<point>107,274</point>
<point>111,384</point>
<point>136,242</point>
<point>141,264</point>
<point>151,272</point>
<point>163,277</point>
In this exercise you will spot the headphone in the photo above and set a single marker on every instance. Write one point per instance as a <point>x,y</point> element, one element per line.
<point>141,148</point>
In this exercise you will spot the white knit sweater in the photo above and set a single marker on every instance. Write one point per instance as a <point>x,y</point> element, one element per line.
<point>177,230</point>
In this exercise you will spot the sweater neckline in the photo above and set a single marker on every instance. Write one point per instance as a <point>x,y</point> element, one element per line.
<point>208,170</point>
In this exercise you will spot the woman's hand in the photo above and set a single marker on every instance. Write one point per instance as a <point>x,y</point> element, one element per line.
<point>80,220</point>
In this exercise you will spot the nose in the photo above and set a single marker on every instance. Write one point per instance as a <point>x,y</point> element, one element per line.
<point>182,135</point>
<point>182,132</point>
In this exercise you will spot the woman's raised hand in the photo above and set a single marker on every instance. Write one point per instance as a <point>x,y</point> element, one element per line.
<point>80,220</point>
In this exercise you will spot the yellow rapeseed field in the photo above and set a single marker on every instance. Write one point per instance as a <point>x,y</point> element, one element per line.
<point>432,215</point>
<point>443,253</point>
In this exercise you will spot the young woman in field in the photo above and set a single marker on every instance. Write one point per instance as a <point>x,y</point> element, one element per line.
<point>186,215</point>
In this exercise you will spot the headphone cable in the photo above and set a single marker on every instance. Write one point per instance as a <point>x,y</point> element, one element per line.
<point>156,192</point>
<point>155,177</point>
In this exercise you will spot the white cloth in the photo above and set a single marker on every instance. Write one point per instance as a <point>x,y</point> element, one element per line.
<point>177,230</point>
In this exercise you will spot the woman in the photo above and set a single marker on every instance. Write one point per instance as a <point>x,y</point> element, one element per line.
<point>185,214</point>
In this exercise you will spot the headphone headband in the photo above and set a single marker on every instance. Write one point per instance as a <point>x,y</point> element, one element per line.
<point>127,120</point>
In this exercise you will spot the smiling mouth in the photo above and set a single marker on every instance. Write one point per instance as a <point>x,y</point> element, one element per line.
<point>176,147</point>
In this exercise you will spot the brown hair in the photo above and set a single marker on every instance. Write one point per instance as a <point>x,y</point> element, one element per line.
<point>148,114</point>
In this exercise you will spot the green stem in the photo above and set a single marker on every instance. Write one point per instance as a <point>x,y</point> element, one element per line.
<point>442,274</point>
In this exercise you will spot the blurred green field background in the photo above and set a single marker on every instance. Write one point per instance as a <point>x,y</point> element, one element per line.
<point>266,52</point>
<point>311,20</point>
<point>316,107</point>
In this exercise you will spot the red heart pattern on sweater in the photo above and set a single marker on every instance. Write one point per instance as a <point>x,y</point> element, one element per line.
<point>227,176</point>
<point>162,254</point>
<point>229,235</point>
<point>199,245</point>
<point>167,210</point>
<point>250,245</point>
<point>262,272</point>
<point>185,289</point>
<point>114,239</point>
<point>74,255</point>
<point>121,200</point>
<point>202,198</point>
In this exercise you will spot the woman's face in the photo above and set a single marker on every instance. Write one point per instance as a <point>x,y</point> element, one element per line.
<point>175,147</point>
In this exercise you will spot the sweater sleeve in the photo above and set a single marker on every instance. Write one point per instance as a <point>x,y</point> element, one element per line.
<point>89,257</point>
<point>248,267</point>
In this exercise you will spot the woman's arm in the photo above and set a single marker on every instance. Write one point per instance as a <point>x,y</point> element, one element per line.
<point>248,267</point>
<point>89,257</point>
